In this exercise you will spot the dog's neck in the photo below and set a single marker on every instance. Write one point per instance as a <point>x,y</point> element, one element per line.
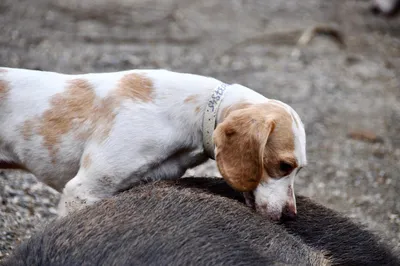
<point>222,100</point>
<point>196,91</point>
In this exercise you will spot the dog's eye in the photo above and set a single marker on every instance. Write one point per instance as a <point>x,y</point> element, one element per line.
<point>285,168</point>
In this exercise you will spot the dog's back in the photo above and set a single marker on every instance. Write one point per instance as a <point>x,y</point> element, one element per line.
<point>198,222</point>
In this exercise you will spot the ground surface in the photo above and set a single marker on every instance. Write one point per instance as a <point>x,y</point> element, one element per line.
<point>336,91</point>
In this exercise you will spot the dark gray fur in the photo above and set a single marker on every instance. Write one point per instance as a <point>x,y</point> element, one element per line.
<point>197,222</point>
<point>344,241</point>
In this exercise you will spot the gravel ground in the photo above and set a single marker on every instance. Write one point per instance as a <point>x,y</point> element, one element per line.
<point>348,97</point>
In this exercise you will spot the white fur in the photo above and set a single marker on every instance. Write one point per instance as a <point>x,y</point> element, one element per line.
<point>157,140</point>
<point>274,194</point>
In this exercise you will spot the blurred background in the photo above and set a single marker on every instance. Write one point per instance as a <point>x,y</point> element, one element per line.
<point>343,83</point>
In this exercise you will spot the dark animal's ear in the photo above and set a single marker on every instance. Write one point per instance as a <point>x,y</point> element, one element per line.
<point>240,142</point>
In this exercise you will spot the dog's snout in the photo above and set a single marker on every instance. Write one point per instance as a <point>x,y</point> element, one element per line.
<point>271,214</point>
<point>276,199</point>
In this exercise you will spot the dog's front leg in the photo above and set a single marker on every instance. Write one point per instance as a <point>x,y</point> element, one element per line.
<point>101,175</point>
<point>82,190</point>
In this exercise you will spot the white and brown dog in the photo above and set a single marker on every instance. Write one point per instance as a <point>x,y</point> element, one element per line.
<point>93,135</point>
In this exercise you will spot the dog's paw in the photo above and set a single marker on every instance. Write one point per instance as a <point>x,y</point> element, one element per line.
<point>68,205</point>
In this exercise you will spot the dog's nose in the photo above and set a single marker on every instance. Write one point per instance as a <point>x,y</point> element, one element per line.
<point>289,212</point>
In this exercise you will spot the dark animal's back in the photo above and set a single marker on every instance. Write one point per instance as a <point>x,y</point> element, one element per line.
<point>160,224</point>
<point>199,221</point>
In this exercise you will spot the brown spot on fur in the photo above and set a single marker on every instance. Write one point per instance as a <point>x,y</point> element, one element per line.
<point>68,109</point>
<point>86,161</point>
<point>191,98</point>
<point>136,86</point>
<point>252,140</point>
<point>197,110</point>
<point>78,111</point>
<point>4,89</point>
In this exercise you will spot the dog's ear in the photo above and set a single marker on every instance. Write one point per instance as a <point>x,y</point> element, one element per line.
<point>240,141</point>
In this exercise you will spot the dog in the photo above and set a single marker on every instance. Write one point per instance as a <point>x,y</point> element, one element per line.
<point>90,136</point>
<point>198,221</point>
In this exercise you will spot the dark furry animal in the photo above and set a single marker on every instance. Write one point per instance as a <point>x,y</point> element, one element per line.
<point>198,221</point>
<point>345,242</point>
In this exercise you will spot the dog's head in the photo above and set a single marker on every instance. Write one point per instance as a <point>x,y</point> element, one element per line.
<point>260,148</point>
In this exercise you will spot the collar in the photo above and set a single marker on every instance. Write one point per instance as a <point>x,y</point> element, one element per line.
<point>210,118</point>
